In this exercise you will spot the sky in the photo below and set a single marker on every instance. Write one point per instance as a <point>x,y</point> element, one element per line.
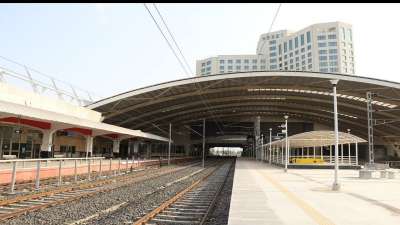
<point>112,48</point>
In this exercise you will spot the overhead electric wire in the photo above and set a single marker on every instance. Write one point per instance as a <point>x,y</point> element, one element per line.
<point>176,56</point>
<point>272,23</point>
<point>173,39</point>
<point>165,38</point>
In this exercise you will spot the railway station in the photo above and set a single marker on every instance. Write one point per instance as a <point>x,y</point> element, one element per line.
<point>288,135</point>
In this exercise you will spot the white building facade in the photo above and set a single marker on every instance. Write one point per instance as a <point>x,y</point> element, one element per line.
<point>323,47</point>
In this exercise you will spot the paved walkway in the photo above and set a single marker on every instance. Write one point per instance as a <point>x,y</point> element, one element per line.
<point>264,194</point>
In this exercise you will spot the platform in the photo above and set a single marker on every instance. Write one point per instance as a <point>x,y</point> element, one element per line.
<point>264,194</point>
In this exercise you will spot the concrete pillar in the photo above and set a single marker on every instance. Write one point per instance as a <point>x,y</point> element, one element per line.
<point>89,146</point>
<point>116,143</point>
<point>47,141</point>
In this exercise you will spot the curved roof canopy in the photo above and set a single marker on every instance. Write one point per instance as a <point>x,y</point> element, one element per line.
<point>317,138</point>
<point>302,95</point>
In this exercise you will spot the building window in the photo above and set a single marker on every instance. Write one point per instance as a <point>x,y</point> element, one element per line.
<point>343,44</point>
<point>208,68</point>
<point>203,70</point>
<point>272,42</point>
<point>272,60</point>
<point>272,54</point>
<point>221,67</point>
<point>254,61</point>
<point>238,61</point>
<point>230,61</point>
<point>297,66</point>
<point>303,56</point>
<point>322,44</point>
<point>332,43</point>
<point>333,57</point>
<point>309,47</point>
<point>333,69</point>
<point>286,63</point>
<point>343,34</point>
<point>332,36</point>
<point>309,66</point>
<point>246,67</point>
<point>309,60</point>
<point>291,54</point>
<point>263,61</point>
<point>285,47</point>
<point>273,67</point>
<point>323,70</point>
<point>254,67</point>
<point>221,61</point>
<point>262,67</point>
<point>203,64</point>
<point>333,63</point>
<point>303,62</point>
<point>237,67</point>
<point>208,63</point>
<point>272,48</point>
<point>291,67</point>
<point>246,61</point>
<point>303,50</point>
<point>321,37</point>
<point>297,59</point>
<point>296,42</point>
<point>302,39</point>
<point>309,54</point>
<point>322,51</point>
<point>322,57</point>
<point>291,60</point>
<point>323,64</point>
<point>296,52</point>
<point>230,67</point>
<point>290,45</point>
<point>333,51</point>
<point>308,36</point>
<point>350,36</point>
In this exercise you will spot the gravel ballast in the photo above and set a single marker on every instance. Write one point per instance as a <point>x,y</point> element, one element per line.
<point>137,199</point>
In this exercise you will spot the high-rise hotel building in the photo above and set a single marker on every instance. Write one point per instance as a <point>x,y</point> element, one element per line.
<point>322,47</point>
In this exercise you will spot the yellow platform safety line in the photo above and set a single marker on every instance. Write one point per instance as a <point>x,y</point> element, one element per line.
<point>308,209</point>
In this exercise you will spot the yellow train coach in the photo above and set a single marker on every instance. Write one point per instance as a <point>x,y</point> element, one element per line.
<point>307,161</point>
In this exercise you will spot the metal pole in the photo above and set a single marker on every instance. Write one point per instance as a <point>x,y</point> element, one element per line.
<point>13,176</point>
<point>370,128</point>
<point>262,148</point>
<point>110,166</point>
<point>100,168</point>
<point>356,153</point>
<point>204,140</point>
<point>348,131</point>
<point>336,185</point>
<point>126,166</point>
<point>37,181</point>
<point>59,172</point>
<point>286,140</point>
<point>89,169</point>
<point>169,144</point>
<point>75,172</point>
<point>270,140</point>
<point>119,165</point>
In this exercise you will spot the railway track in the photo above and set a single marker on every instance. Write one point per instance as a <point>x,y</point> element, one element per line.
<point>192,205</point>
<point>13,207</point>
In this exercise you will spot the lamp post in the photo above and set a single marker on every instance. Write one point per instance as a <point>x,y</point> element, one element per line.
<point>270,150</point>
<point>286,140</point>
<point>336,185</point>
